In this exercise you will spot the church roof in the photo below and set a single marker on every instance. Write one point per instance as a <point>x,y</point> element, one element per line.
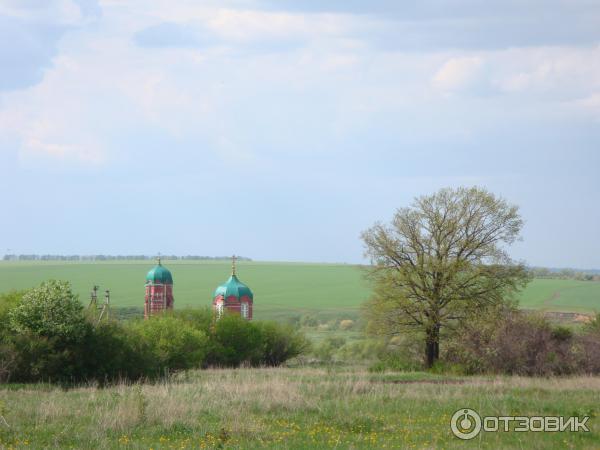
<point>233,287</point>
<point>159,275</point>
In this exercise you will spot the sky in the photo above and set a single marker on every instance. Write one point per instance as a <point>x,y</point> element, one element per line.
<point>279,129</point>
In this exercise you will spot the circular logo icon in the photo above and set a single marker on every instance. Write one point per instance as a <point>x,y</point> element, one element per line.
<point>465,424</point>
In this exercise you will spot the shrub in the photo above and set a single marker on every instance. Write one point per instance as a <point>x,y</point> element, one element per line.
<point>588,348</point>
<point>293,321</point>
<point>8,360</point>
<point>234,341</point>
<point>8,352</point>
<point>362,350</point>
<point>8,301</point>
<point>50,310</point>
<point>309,320</point>
<point>113,351</point>
<point>174,344</point>
<point>42,358</point>
<point>278,343</point>
<point>45,336</point>
<point>346,324</point>
<point>324,351</point>
<point>400,353</point>
<point>48,328</point>
<point>199,318</point>
<point>328,348</point>
<point>594,325</point>
<point>521,344</point>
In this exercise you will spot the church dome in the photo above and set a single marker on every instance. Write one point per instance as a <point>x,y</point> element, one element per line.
<point>233,287</point>
<point>159,275</point>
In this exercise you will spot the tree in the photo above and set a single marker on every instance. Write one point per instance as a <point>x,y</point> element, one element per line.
<point>51,310</point>
<point>49,328</point>
<point>441,260</point>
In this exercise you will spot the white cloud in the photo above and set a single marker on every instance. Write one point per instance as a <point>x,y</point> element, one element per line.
<point>590,105</point>
<point>247,30</point>
<point>252,25</point>
<point>559,71</point>
<point>459,73</point>
<point>105,87</point>
<point>53,121</point>
<point>56,12</point>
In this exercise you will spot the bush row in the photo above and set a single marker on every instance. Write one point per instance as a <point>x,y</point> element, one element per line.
<point>518,343</point>
<point>46,335</point>
<point>510,342</point>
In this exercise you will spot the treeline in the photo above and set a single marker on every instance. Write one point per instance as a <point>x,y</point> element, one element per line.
<point>564,274</point>
<point>46,335</point>
<point>12,257</point>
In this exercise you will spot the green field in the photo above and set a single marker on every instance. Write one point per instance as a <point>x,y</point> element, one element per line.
<point>279,288</point>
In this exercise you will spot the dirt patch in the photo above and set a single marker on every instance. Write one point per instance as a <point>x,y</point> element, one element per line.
<point>568,317</point>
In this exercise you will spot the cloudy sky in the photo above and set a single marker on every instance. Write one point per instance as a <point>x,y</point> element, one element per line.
<point>281,129</point>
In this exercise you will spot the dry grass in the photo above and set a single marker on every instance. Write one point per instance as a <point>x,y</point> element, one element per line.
<point>289,408</point>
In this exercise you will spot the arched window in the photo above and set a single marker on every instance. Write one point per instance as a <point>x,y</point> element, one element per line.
<point>244,310</point>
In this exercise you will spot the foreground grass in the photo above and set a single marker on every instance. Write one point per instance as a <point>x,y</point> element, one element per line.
<point>291,408</point>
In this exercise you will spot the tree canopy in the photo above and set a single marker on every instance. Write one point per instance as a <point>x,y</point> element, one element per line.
<point>50,310</point>
<point>440,260</point>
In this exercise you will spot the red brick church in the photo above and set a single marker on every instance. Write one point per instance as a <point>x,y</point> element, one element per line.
<point>232,296</point>
<point>159,290</point>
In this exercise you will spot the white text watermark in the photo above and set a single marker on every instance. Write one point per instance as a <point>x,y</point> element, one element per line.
<point>467,424</point>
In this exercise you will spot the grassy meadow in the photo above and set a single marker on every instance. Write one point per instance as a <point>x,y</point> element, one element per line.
<point>293,408</point>
<point>330,406</point>
<point>280,289</point>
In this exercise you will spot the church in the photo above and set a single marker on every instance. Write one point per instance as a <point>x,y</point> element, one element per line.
<point>233,295</point>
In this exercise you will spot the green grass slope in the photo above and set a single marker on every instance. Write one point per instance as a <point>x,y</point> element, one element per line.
<point>562,295</point>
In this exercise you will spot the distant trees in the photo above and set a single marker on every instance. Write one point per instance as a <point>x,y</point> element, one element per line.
<point>440,261</point>
<point>35,257</point>
<point>564,274</point>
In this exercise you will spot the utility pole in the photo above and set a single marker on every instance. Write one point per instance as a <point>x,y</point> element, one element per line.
<point>105,306</point>
<point>94,298</point>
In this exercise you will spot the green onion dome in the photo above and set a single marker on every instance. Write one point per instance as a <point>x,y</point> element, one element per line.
<point>233,287</point>
<point>159,275</point>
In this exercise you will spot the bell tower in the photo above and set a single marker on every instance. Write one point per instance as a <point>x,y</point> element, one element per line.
<point>159,290</point>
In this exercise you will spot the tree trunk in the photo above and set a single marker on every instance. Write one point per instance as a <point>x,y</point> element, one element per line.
<point>432,345</point>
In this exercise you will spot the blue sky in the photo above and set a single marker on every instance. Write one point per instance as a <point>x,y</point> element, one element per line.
<point>280,130</point>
